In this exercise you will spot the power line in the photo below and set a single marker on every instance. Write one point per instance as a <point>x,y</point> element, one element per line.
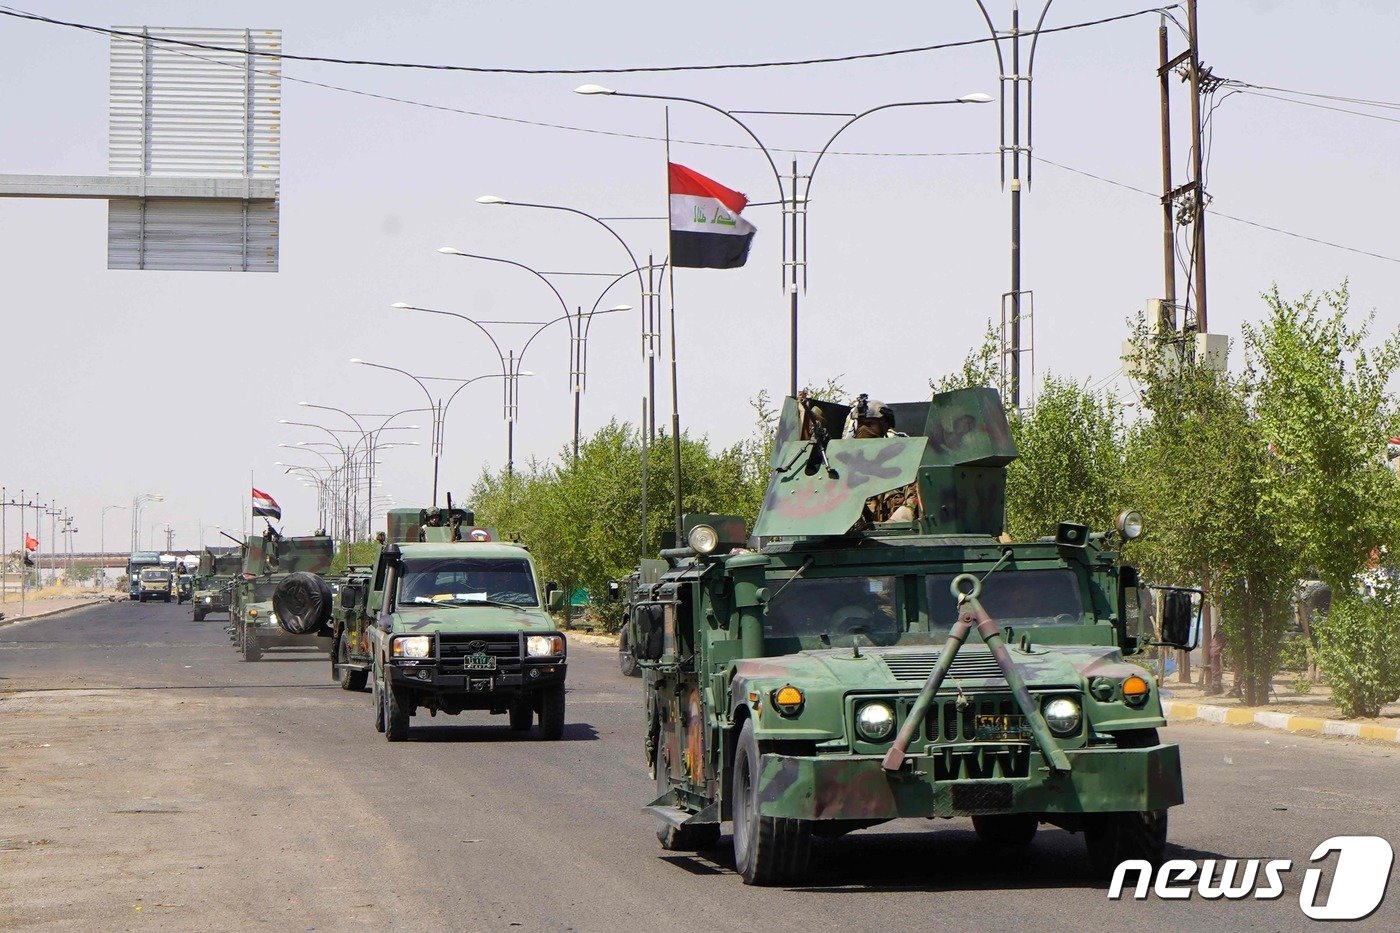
<point>479,69</point>
<point>1308,103</point>
<point>1252,223</point>
<point>1388,104</point>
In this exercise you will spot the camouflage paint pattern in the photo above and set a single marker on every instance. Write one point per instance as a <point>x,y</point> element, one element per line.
<point>957,449</point>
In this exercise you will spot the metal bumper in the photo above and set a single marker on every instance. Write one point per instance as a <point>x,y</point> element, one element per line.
<point>856,787</point>
<point>428,678</point>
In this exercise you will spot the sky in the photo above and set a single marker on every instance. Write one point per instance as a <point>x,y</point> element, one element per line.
<point>121,383</point>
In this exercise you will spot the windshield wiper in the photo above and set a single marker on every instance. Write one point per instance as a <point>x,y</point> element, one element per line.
<point>489,602</point>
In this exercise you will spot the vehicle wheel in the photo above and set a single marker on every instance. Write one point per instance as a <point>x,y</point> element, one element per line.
<point>767,850</point>
<point>252,651</point>
<point>522,717</point>
<point>395,713</point>
<point>552,713</point>
<point>1115,837</point>
<point>626,659</point>
<point>199,617</point>
<point>349,678</point>
<point>378,706</point>
<point>1006,829</point>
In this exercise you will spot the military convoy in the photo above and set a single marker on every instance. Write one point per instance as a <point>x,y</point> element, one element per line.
<point>449,618</point>
<point>825,682</point>
<point>280,599</point>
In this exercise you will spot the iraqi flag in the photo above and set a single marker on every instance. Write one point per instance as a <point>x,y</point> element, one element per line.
<point>265,506</point>
<point>31,543</point>
<point>706,229</point>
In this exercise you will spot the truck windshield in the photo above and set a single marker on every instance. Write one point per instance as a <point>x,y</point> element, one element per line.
<point>836,607</point>
<point>262,592</point>
<point>1012,597</point>
<point>463,581</point>
<point>155,576</point>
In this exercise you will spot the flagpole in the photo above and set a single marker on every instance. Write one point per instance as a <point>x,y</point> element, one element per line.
<point>675,391</point>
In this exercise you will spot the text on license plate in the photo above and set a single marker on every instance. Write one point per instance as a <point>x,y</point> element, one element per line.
<point>1002,728</point>
<point>481,661</point>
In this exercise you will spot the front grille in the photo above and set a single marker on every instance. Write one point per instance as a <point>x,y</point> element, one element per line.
<point>454,649</point>
<point>916,666</point>
<point>945,722</point>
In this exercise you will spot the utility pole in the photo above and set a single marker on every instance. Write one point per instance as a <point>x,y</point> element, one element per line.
<point>1186,204</point>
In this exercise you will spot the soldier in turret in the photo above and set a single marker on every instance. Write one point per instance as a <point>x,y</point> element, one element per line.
<point>874,419</point>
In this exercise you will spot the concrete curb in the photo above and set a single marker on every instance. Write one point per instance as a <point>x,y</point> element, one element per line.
<point>8,620</point>
<point>1283,722</point>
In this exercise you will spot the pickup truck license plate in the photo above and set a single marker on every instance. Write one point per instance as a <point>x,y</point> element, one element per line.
<point>481,661</point>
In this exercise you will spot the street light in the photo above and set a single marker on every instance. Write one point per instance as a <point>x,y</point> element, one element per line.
<point>102,526</point>
<point>437,407</point>
<point>648,292</point>
<point>136,503</point>
<point>794,239</point>
<point>579,323</point>
<point>511,360</point>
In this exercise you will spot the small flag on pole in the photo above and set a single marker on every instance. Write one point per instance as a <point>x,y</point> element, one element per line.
<point>265,506</point>
<point>706,229</point>
<point>31,543</point>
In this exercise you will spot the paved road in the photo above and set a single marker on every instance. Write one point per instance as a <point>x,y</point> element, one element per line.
<point>149,779</point>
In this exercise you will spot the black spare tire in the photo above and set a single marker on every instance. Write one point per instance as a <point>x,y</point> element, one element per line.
<point>302,602</point>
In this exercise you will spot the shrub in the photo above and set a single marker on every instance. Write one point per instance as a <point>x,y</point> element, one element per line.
<point>1358,652</point>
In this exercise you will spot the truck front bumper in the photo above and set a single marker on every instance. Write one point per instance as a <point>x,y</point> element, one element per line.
<point>428,678</point>
<point>274,636</point>
<point>855,787</point>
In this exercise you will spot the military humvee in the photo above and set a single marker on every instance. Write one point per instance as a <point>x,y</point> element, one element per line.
<point>819,683</point>
<point>212,582</point>
<point>280,600</point>
<point>450,619</point>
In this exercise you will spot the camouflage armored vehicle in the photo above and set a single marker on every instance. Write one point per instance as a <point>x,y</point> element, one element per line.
<point>154,583</point>
<point>280,599</point>
<point>450,619</point>
<point>825,682</point>
<point>213,581</point>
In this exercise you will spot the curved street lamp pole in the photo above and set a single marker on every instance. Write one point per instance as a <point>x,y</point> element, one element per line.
<point>794,236</point>
<point>102,527</point>
<point>648,290</point>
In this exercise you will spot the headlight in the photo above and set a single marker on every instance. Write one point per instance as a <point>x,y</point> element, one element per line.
<point>1062,715</point>
<point>413,646</point>
<point>703,539</point>
<point>1130,524</point>
<point>208,600</point>
<point>543,646</point>
<point>875,721</point>
<point>272,617</point>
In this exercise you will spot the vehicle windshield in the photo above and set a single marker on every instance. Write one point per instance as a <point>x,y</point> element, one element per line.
<point>836,607</point>
<point>155,575</point>
<point>464,581</point>
<point>262,592</point>
<point>1012,597</point>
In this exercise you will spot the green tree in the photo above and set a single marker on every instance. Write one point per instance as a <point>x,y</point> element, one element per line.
<point>980,368</point>
<point>1071,461</point>
<point>1320,395</point>
<point>1359,657</point>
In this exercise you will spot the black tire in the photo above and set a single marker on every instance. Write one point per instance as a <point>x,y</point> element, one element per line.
<point>302,602</point>
<point>348,678</point>
<point>626,659</point>
<point>767,850</point>
<point>1006,829</point>
<point>252,651</point>
<point>198,616</point>
<point>396,713</point>
<point>1111,838</point>
<point>522,717</point>
<point>551,708</point>
<point>378,707</point>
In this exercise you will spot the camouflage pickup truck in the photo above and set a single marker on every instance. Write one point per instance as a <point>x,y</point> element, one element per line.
<point>450,619</point>
<point>825,681</point>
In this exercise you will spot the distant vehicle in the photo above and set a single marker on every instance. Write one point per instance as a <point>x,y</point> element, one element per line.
<point>213,583</point>
<point>155,583</point>
<point>134,564</point>
<point>280,600</point>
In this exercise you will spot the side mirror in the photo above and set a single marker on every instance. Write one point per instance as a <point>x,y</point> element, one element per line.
<point>614,591</point>
<point>1178,620</point>
<point>349,596</point>
<point>554,599</point>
